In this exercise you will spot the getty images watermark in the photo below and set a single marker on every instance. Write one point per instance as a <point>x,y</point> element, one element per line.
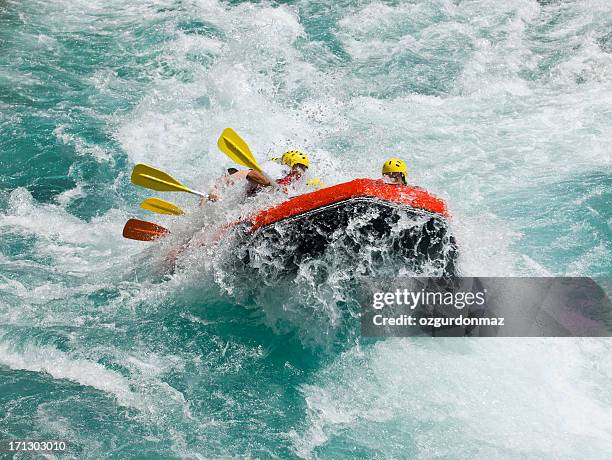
<point>511,307</point>
<point>411,300</point>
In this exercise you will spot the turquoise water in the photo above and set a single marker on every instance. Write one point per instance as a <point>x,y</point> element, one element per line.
<point>504,110</point>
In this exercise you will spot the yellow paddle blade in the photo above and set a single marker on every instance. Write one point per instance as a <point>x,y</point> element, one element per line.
<point>142,230</point>
<point>316,183</point>
<point>161,207</point>
<point>148,177</point>
<point>237,149</point>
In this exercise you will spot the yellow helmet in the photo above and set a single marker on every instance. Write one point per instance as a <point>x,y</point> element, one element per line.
<point>395,165</point>
<point>299,158</point>
<point>286,158</point>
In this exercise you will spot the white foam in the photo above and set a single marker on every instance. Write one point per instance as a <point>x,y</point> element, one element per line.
<point>590,64</point>
<point>81,146</point>
<point>525,396</point>
<point>76,245</point>
<point>491,133</point>
<point>67,196</point>
<point>59,365</point>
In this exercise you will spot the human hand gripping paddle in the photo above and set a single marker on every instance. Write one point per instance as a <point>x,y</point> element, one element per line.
<point>152,178</point>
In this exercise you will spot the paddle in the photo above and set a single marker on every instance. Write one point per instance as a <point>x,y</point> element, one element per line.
<point>237,149</point>
<point>148,177</point>
<point>161,207</point>
<point>142,230</point>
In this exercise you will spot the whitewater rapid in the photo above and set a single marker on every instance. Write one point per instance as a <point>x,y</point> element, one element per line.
<point>501,109</point>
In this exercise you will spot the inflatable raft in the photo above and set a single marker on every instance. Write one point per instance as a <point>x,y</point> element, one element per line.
<point>389,224</point>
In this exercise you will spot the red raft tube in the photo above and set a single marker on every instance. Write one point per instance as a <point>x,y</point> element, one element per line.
<point>402,225</point>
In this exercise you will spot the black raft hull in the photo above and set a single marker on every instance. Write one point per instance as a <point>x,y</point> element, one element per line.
<point>368,233</point>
